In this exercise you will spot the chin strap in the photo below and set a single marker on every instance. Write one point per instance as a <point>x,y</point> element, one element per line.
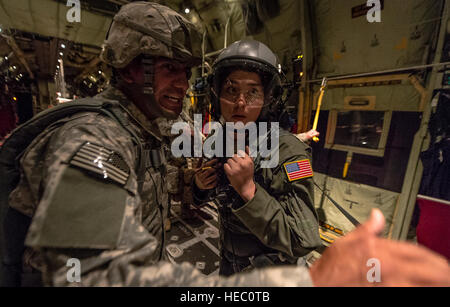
<point>149,74</point>
<point>148,64</point>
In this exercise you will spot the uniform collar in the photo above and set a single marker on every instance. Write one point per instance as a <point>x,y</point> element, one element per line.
<point>113,93</point>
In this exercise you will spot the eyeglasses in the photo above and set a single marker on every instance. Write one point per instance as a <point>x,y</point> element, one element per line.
<point>230,94</point>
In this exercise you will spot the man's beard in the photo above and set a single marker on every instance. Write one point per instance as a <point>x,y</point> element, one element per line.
<point>153,109</point>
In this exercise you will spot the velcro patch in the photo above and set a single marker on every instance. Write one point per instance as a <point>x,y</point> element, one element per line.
<point>101,161</point>
<point>298,170</point>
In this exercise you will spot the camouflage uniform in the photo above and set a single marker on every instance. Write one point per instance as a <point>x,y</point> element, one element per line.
<point>89,200</point>
<point>177,189</point>
<point>174,165</point>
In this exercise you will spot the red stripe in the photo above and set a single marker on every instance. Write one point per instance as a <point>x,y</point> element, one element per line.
<point>300,172</point>
<point>301,175</point>
<point>305,165</point>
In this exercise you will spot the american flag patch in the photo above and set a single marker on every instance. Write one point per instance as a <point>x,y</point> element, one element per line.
<point>298,170</point>
<point>103,162</point>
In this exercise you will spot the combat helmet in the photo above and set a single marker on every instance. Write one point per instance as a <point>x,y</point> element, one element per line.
<point>150,30</point>
<point>254,56</point>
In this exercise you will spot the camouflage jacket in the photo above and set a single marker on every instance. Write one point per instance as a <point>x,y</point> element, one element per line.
<point>175,165</point>
<point>78,182</point>
<point>280,221</point>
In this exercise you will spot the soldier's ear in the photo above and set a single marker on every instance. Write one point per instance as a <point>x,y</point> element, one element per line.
<point>126,75</point>
<point>133,72</point>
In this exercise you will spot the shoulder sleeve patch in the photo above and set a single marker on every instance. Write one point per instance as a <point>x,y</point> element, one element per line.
<point>101,161</point>
<point>298,170</point>
<point>81,212</point>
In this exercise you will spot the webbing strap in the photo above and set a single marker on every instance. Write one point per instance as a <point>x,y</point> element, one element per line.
<point>343,211</point>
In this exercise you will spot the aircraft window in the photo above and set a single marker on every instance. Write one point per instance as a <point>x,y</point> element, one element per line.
<point>385,171</point>
<point>359,128</point>
<point>357,131</point>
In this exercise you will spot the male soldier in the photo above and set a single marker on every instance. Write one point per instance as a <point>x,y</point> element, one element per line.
<point>85,190</point>
<point>79,214</point>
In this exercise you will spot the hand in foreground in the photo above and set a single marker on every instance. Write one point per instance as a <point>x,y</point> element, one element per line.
<point>402,264</point>
<point>206,175</point>
<point>239,170</point>
<point>308,136</point>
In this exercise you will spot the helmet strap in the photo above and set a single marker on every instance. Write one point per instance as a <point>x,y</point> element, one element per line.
<point>149,74</point>
<point>148,64</point>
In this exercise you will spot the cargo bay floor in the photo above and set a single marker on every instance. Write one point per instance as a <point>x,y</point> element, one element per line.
<point>195,239</point>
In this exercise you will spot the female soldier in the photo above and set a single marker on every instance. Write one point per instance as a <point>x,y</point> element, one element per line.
<point>266,215</point>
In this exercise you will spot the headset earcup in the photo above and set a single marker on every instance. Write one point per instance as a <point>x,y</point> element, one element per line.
<point>210,79</point>
<point>277,92</point>
<point>213,84</point>
<point>271,112</point>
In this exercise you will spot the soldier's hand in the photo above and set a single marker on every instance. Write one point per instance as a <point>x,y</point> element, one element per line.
<point>206,175</point>
<point>239,170</point>
<point>308,136</point>
<point>345,263</point>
